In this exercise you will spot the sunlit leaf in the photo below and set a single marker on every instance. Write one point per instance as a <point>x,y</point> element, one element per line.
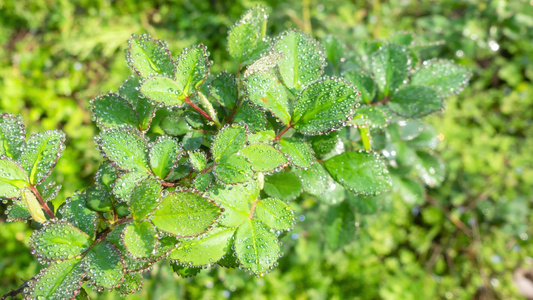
<point>148,57</point>
<point>204,251</point>
<point>256,247</point>
<point>41,154</point>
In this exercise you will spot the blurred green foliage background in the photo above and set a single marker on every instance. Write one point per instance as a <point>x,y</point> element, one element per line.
<point>464,242</point>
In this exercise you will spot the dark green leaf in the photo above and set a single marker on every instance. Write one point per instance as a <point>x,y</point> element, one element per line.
<point>164,155</point>
<point>204,251</point>
<point>202,181</point>
<point>191,69</point>
<point>251,116</point>
<point>105,176</point>
<point>59,241</point>
<point>361,172</point>
<point>275,213</point>
<point>12,135</point>
<point>98,200</point>
<point>125,147</point>
<point>390,66</point>
<point>256,247</point>
<point>125,184</point>
<point>334,50</point>
<point>444,76</point>
<point>375,117</point>
<point>140,239</point>
<point>76,212</point>
<point>224,90</point>
<point>364,84</point>
<point>144,107</point>
<point>145,198</point>
<point>104,266</point>
<point>192,140</point>
<point>41,154</point>
<point>325,143</point>
<point>264,90</point>
<point>263,157</point>
<point>283,185</point>
<point>18,211</point>
<point>184,271</point>
<point>185,214</point>
<point>234,169</point>
<point>415,101</point>
<point>174,125</point>
<point>324,106</point>
<point>229,141</point>
<point>111,110</point>
<point>339,227</point>
<point>148,57</point>
<point>313,180</point>
<point>133,282</point>
<point>298,151</point>
<point>60,280</point>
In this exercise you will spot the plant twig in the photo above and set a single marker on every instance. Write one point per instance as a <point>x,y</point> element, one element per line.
<point>41,201</point>
<point>289,126</point>
<point>18,290</point>
<point>253,208</point>
<point>198,109</point>
<point>382,101</point>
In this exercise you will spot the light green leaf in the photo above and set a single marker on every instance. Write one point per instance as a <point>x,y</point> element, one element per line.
<point>59,241</point>
<point>132,283</point>
<point>205,250</point>
<point>265,136</point>
<point>192,68</point>
<point>364,205</point>
<point>265,90</point>
<point>98,200</point>
<point>364,84</point>
<point>390,66</point>
<point>339,227</point>
<point>144,107</point>
<point>174,125</point>
<point>264,64</point>
<point>245,37</point>
<point>263,157</point>
<point>105,176</point>
<point>75,211</point>
<point>325,143</point>
<point>111,110</point>
<point>192,140</point>
<point>375,117</point>
<point>283,185</point>
<point>224,90</point>
<point>275,213</point>
<point>411,191</point>
<point>145,198</point>
<point>334,50</point>
<point>403,38</point>
<point>186,214</point>
<point>298,151</point>
<point>303,59</point>
<point>444,76</point>
<point>33,205</point>
<point>415,101</point>
<point>131,264</point>
<point>140,239</point>
<point>202,181</point>
<point>324,106</point>
<point>427,139</point>
<point>12,135</point>
<point>430,169</point>
<point>149,57</point>
<point>164,155</point>
<point>18,211</point>
<point>314,180</point>
<point>60,280</point>
<point>104,266</point>
<point>198,160</point>
<point>234,169</point>
<point>229,141</point>
<point>125,147</point>
<point>256,247</point>
<point>41,154</point>
<point>253,117</point>
<point>125,184</point>
<point>163,90</point>
<point>12,179</point>
<point>236,201</point>
<point>361,172</point>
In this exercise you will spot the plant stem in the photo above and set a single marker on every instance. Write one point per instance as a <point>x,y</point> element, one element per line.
<point>198,109</point>
<point>18,290</point>
<point>169,184</point>
<point>365,137</point>
<point>382,101</point>
<point>253,208</point>
<point>289,126</point>
<point>41,201</point>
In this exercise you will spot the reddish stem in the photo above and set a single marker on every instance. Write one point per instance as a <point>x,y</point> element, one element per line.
<point>252,209</point>
<point>169,184</point>
<point>41,201</point>
<point>382,101</point>
<point>289,126</point>
<point>198,109</point>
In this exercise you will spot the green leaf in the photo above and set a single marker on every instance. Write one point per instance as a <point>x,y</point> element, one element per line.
<point>111,110</point>
<point>133,282</point>
<point>303,59</point>
<point>234,169</point>
<point>427,139</point>
<point>140,239</point>
<point>275,213</point>
<point>229,141</point>
<point>298,151</point>
<point>59,241</point>
<point>185,214</point>
<point>192,69</point>
<point>125,184</point>
<point>314,179</point>
<point>125,147</point>
<point>263,157</point>
<point>192,140</point>
<point>361,172</point>
<point>403,38</point>
<point>204,251</point>
<point>430,169</point>
<point>265,136</point>
<point>253,117</point>
<point>41,154</point>
<point>33,205</point>
<point>18,211</point>
<point>364,84</point>
<point>324,106</point>
<point>184,271</point>
<point>105,176</point>
<point>264,64</point>
<point>256,247</point>
<point>411,191</point>
<point>364,205</point>
<point>48,190</point>
<point>12,179</point>
<point>163,90</point>
<point>131,264</point>
<point>202,181</point>
<point>339,227</point>
<point>415,101</point>
<point>60,280</point>
<point>145,198</point>
<point>164,155</point>
<point>149,57</point>
<point>98,200</point>
<point>245,37</point>
<point>375,117</point>
<point>144,107</point>
<point>198,160</point>
<point>12,135</point>
<point>104,266</point>
<point>264,90</point>
<point>390,66</point>
<point>174,125</point>
<point>236,202</point>
<point>324,144</point>
<point>334,50</point>
<point>443,76</point>
<point>76,212</point>
<point>283,185</point>
<point>224,90</point>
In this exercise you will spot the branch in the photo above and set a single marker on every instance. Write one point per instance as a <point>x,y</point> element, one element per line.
<point>289,126</point>
<point>198,109</point>
<point>18,290</point>
<point>41,201</point>
<point>252,209</point>
<point>383,101</point>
